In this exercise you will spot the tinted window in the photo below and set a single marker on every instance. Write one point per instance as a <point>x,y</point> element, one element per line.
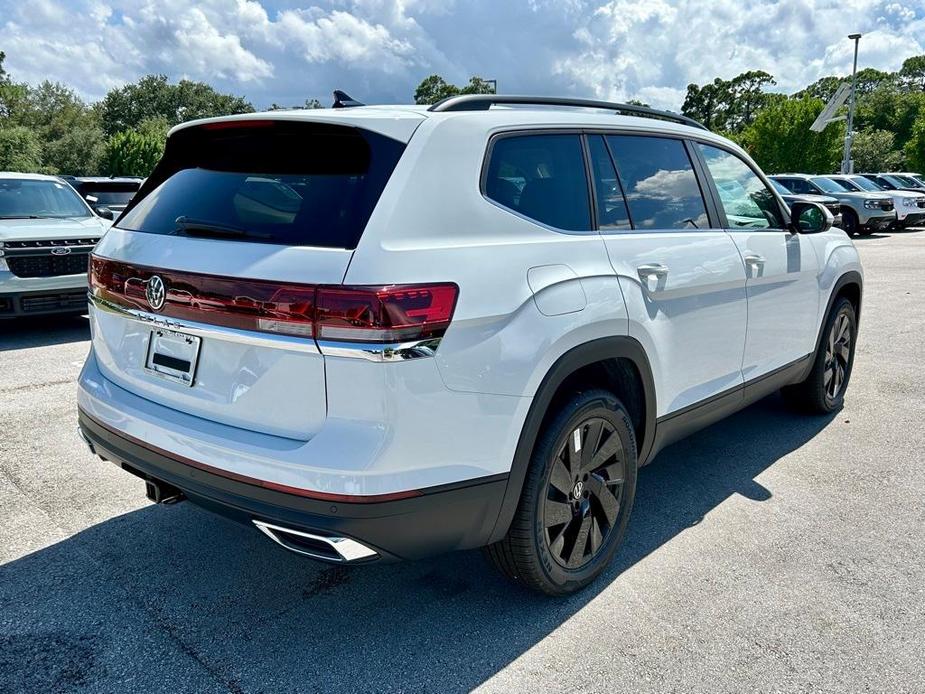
<point>611,207</point>
<point>542,177</point>
<point>778,186</point>
<point>797,185</point>
<point>302,184</point>
<point>30,198</point>
<point>659,182</point>
<point>847,184</point>
<point>865,184</point>
<point>827,185</point>
<point>745,198</point>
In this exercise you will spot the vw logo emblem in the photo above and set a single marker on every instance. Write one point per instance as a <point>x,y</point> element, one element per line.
<point>155,293</point>
<point>579,488</point>
<point>60,251</point>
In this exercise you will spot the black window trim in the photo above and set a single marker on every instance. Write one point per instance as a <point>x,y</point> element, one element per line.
<point>716,215</point>
<point>616,172</point>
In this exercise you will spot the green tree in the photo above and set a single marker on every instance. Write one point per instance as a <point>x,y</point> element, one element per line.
<point>915,147</point>
<point>870,79</point>
<point>823,88</point>
<point>728,105</point>
<point>20,149</point>
<point>780,140</point>
<point>78,152</point>
<point>434,88</point>
<point>912,73</point>
<point>890,108</point>
<point>134,152</point>
<point>875,150</point>
<point>154,97</point>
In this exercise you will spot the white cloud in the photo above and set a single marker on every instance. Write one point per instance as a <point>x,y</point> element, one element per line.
<point>378,50</point>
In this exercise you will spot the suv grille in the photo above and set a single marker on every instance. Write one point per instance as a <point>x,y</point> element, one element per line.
<point>48,265</point>
<point>48,258</point>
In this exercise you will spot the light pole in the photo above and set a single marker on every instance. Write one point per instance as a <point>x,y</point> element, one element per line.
<point>494,85</point>
<point>846,165</point>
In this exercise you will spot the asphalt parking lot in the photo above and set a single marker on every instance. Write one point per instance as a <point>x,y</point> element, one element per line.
<point>771,552</point>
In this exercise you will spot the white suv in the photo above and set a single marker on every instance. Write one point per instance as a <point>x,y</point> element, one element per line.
<point>380,333</point>
<point>46,234</point>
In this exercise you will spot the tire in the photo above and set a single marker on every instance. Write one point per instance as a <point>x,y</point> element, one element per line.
<point>558,544</point>
<point>849,222</point>
<point>823,391</point>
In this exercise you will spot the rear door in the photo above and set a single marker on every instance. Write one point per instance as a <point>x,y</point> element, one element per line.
<point>783,291</point>
<point>203,291</point>
<point>681,275</point>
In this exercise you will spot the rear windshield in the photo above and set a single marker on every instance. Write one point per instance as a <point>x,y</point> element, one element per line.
<point>299,184</point>
<point>107,193</point>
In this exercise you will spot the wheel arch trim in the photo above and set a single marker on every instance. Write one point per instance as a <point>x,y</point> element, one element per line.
<point>601,349</point>
<point>852,277</point>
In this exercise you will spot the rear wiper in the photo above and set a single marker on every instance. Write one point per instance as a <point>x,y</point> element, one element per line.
<point>203,227</point>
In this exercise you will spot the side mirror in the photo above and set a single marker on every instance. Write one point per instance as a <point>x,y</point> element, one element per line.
<point>105,212</point>
<point>810,218</point>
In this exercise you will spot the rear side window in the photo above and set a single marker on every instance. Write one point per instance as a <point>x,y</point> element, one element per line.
<point>299,184</point>
<point>659,181</point>
<point>542,177</point>
<point>747,201</point>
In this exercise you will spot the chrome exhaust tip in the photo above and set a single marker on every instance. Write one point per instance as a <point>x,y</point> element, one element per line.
<point>332,549</point>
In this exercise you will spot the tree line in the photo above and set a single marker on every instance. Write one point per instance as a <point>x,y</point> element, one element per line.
<point>773,128</point>
<point>49,128</point>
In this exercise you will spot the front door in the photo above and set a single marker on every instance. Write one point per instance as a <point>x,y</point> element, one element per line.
<point>782,268</point>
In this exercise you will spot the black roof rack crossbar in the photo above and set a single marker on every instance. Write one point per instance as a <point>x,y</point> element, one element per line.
<point>483,102</point>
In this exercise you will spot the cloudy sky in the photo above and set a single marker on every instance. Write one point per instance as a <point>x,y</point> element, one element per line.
<point>285,51</point>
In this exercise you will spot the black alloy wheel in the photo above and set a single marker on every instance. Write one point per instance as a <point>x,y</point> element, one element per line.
<point>584,493</point>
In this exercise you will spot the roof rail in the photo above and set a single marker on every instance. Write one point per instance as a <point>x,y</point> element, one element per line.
<point>483,102</point>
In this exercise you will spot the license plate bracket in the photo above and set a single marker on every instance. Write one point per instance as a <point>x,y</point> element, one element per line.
<point>173,355</point>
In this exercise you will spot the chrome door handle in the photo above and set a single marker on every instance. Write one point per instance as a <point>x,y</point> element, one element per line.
<point>652,270</point>
<point>755,259</point>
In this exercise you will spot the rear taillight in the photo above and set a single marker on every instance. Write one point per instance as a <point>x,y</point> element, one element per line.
<point>380,314</point>
<point>384,314</point>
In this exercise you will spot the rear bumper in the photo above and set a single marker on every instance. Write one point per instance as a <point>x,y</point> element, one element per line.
<point>440,519</point>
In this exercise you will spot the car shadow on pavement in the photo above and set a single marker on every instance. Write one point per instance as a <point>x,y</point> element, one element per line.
<point>183,600</point>
<point>21,333</point>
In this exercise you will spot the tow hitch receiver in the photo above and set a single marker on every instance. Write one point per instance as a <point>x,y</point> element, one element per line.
<point>162,493</point>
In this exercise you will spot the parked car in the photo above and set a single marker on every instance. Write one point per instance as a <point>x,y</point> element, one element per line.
<point>108,196</point>
<point>913,181</point>
<point>862,213</point>
<point>424,329</point>
<point>827,201</point>
<point>890,181</point>
<point>46,235</point>
<point>909,206</point>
